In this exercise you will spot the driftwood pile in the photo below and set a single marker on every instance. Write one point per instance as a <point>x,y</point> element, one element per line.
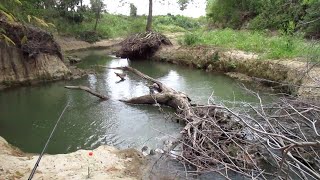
<point>142,45</point>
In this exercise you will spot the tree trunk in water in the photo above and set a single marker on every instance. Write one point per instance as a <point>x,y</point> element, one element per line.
<point>149,20</point>
<point>87,89</point>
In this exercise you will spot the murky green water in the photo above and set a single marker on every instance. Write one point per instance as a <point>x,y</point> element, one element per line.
<point>27,114</point>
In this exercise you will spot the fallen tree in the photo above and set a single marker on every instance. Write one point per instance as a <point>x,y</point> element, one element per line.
<point>142,45</point>
<point>205,145</point>
<point>87,89</point>
<point>218,139</point>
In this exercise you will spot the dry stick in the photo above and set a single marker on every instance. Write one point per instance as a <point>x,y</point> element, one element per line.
<point>87,89</point>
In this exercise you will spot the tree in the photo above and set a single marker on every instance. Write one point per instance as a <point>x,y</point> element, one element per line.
<point>183,4</point>
<point>149,20</point>
<point>133,10</point>
<point>97,7</point>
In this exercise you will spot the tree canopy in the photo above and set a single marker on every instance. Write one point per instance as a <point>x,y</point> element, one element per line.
<point>304,15</point>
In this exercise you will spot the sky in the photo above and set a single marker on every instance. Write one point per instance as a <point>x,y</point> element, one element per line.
<point>160,7</point>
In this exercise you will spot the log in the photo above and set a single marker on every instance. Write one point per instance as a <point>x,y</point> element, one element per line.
<point>87,89</point>
<point>121,76</point>
<point>166,96</point>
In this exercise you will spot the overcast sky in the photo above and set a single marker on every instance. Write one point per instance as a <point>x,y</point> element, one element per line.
<point>160,7</point>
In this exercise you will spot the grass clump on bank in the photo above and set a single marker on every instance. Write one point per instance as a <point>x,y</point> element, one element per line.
<point>269,46</point>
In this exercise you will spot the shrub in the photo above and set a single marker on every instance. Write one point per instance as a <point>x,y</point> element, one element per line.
<point>90,36</point>
<point>191,39</point>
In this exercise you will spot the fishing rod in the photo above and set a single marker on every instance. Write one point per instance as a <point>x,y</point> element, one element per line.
<point>46,145</point>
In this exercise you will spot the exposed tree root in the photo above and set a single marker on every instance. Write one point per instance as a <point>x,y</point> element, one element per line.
<point>87,89</point>
<point>142,45</point>
<point>31,40</point>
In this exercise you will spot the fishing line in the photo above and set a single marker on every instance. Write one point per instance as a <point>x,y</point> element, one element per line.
<point>45,147</point>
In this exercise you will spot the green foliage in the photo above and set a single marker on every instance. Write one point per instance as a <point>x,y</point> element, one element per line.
<point>90,36</point>
<point>269,47</point>
<point>133,10</point>
<point>231,13</point>
<point>178,20</point>
<point>311,21</point>
<point>277,14</point>
<point>266,14</point>
<point>183,4</point>
<point>191,39</point>
<point>169,28</point>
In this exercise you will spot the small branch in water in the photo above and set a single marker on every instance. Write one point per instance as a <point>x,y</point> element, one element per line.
<point>87,89</point>
<point>121,76</point>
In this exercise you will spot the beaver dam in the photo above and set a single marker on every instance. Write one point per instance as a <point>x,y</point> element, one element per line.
<point>273,136</point>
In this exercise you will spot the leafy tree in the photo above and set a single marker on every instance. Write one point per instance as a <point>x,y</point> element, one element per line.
<point>311,21</point>
<point>133,10</point>
<point>232,13</point>
<point>97,7</point>
<point>183,4</point>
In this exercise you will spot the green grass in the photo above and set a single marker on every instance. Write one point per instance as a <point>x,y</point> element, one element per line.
<point>270,47</point>
<point>111,26</point>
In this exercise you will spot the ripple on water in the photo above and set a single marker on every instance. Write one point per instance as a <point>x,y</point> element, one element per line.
<point>27,114</point>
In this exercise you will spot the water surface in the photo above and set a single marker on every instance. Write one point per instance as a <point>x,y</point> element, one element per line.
<point>27,114</point>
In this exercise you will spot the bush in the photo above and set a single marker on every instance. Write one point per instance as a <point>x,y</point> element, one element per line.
<point>90,36</point>
<point>232,13</point>
<point>311,25</point>
<point>186,23</point>
<point>191,39</point>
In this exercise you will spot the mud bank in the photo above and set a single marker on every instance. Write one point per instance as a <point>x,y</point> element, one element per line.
<point>16,69</point>
<point>33,56</point>
<point>105,163</point>
<point>290,76</point>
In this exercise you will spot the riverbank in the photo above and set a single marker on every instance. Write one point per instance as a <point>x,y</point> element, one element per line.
<point>292,76</point>
<point>105,163</point>
<point>70,44</point>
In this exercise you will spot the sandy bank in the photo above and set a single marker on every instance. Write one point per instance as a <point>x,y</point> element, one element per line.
<point>106,163</point>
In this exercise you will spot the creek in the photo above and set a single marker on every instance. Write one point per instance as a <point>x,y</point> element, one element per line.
<point>28,114</point>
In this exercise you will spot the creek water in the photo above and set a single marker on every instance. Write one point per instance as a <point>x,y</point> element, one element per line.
<point>28,114</point>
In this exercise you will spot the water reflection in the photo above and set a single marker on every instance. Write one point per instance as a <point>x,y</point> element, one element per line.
<point>27,114</point>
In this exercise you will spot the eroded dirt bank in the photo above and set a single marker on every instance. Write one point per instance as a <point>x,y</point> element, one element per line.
<point>105,163</point>
<point>16,69</point>
<point>68,44</point>
<point>31,56</point>
<point>296,76</point>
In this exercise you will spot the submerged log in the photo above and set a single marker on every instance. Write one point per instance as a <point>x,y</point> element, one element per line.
<point>121,76</point>
<point>87,89</point>
<point>142,45</point>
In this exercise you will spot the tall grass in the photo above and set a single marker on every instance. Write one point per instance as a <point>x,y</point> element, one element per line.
<point>268,46</point>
